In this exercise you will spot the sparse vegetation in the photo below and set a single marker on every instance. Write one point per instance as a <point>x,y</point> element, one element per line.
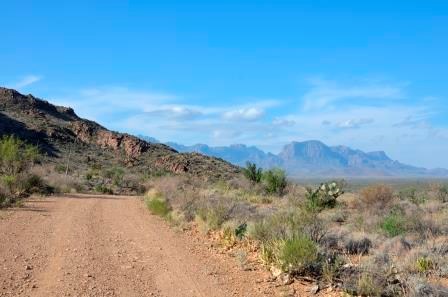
<point>253,173</point>
<point>393,224</point>
<point>315,232</point>
<point>157,204</point>
<point>275,181</point>
<point>16,181</point>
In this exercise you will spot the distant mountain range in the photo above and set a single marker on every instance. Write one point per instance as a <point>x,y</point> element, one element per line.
<point>313,159</point>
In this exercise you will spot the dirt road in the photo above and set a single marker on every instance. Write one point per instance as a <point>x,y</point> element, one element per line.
<point>85,245</point>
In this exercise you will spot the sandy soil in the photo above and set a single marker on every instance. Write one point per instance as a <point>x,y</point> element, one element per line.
<point>84,245</point>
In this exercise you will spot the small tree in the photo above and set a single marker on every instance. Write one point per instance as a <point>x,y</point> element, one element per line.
<point>15,159</point>
<point>16,156</point>
<point>252,173</point>
<point>275,181</point>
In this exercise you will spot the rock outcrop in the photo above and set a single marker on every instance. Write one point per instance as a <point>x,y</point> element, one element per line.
<point>62,134</point>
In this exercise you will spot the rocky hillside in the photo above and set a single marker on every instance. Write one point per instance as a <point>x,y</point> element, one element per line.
<point>65,138</point>
<point>315,159</point>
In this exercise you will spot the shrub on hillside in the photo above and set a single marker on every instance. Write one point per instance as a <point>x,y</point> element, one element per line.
<point>116,174</point>
<point>252,173</point>
<point>358,247</point>
<point>16,156</point>
<point>275,181</point>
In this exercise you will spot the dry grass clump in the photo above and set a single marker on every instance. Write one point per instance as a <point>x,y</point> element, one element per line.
<point>376,197</point>
<point>157,204</point>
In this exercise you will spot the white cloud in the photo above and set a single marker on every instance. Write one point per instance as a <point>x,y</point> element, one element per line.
<point>26,81</point>
<point>324,93</point>
<point>247,114</point>
<point>177,112</point>
<point>351,124</point>
<point>283,122</point>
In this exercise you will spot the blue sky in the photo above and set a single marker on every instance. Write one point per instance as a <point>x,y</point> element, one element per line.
<point>369,75</point>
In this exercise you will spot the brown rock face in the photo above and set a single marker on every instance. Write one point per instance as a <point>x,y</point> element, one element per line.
<point>82,131</point>
<point>169,164</point>
<point>133,146</point>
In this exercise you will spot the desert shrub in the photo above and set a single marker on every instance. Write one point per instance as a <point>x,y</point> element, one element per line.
<point>214,214</point>
<point>331,269</point>
<point>89,176</point>
<point>393,224</point>
<point>367,286</point>
<point>376,197</point>
<point>103,189</point>
<point>412,195</point>
<point>116,174</point>
<point>418,287</point>
<point>292,255</point>
<point>442,193</point>
<point>358,247</point>
<point>324,196</point>
<point>33,183</point>
<point>424,264</point>
<point>252,173</point>
<point>16,156</point>
<point>275,181</point>
<point>280,225</point>
<point>288,224</point>
<point>156,204</point>
<point>61,183</point>
<point>60,168</point>
<point>4,198</point>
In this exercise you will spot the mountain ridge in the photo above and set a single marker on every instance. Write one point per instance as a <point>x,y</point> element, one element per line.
<point>63,136</point>
<point>313,158</point>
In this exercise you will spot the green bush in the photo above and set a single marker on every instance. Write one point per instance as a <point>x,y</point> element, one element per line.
<point>116,174</point>
<point>424,264</point>
<point>215,215</point>
<point>16,156</point>
<point>103,189</point>
<point>35,184</point>
<point>292,255</point>
<point>252,173</point>
<point>60,168</point>
<point>393,224</point>
<point>275,181</point>
<point>281,225</point>
<point>4,198</point>
<point>157,204</point>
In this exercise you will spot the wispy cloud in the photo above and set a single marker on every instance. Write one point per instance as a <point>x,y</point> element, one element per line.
<point>26,81</point>
<point>176,112</point>
<point>325,92</point>
<point>349,124</point>
<point>246,114</point>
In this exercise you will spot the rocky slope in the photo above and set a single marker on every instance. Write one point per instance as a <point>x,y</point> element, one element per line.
<point>64,137</point>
